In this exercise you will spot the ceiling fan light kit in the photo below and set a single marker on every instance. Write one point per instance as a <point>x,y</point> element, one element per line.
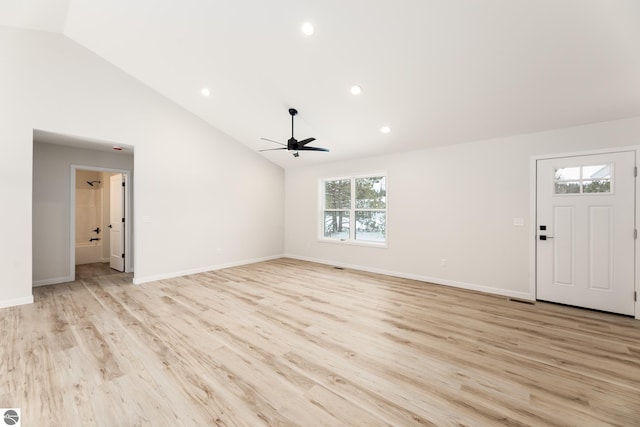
<point>293,144</point>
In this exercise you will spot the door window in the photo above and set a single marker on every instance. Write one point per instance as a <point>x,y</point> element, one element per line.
<point>584,179</point>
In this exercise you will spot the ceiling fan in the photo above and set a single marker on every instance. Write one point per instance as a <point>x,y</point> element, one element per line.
<point>293,144</point>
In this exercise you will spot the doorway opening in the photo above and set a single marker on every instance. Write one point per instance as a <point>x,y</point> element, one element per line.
<point>100,212</point>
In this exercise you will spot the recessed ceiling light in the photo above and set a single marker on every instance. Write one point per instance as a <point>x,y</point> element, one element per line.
<point>385,129</point>
<point>307,28</point>
<point>356,90</point>
<point>205,91</point>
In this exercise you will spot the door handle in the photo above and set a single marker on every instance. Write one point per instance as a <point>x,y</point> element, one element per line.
<point>110,226</point>
<point>544,237</point>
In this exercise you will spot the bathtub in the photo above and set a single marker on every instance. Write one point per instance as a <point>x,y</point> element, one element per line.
<point>87,253</point>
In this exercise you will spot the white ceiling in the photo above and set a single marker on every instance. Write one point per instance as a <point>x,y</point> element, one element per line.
<point>437,72</point>
<point>41,15</point>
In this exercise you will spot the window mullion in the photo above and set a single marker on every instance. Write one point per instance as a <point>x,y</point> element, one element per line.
<point>373,219</point>
<point>352,214</point>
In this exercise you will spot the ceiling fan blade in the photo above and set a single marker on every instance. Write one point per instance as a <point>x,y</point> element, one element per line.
<point>305,141</point>
<point>271,140</point>
<point>293,144</point>
<point>313,149</point>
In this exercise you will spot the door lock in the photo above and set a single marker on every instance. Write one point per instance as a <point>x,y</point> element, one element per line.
<point>544,236</point>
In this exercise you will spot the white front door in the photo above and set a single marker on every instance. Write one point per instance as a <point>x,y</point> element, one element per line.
<point>116,222</point>
<point>585,239</point>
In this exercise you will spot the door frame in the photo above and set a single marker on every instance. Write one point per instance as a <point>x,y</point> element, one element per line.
<point>128,266</point>
<point>533,213</point>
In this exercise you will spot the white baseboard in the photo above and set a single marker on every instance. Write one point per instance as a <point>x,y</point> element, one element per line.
<point>141,280</point>
<point>53,281</point>
<point>17,301</point>
<point>462,285</point>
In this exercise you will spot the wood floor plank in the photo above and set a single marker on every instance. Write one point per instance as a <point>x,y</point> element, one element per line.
<point>287,342</point>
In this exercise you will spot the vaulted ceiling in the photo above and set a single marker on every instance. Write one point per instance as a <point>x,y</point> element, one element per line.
<point>435,72</point>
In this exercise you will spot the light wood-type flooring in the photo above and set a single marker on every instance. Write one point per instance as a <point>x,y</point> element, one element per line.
<point>287,342</point>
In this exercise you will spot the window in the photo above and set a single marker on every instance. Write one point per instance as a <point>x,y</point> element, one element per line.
<point>583,179</point>
<point>355,209</point>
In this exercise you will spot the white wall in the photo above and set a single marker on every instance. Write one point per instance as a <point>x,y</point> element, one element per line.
<point>201,200</point>
<point>51,204</point>
<point>455,203</point>
<point>89,204</point>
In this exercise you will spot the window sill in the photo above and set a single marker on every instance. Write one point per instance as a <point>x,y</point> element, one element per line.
<point>355,243</point>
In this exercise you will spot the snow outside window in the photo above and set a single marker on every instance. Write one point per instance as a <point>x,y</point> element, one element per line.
<point>355,209</point>
<point>583,179</point>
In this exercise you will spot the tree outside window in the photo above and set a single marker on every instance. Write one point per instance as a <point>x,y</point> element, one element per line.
<point>355,209</point>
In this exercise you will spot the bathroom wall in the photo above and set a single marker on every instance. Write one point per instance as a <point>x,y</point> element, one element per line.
<point>89,210</point>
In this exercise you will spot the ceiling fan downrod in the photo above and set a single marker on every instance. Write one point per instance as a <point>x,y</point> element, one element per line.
<point>293,112</point>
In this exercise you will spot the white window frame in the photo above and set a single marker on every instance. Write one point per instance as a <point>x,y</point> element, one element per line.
<point>582,181</point>
<point>352,211</point>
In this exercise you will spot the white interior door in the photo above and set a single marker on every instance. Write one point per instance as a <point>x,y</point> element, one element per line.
<point>116,222</point>
<point>585,239</point>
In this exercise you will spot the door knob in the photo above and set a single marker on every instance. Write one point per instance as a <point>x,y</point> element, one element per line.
<point>110,226</point>
<point>544,237</point>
